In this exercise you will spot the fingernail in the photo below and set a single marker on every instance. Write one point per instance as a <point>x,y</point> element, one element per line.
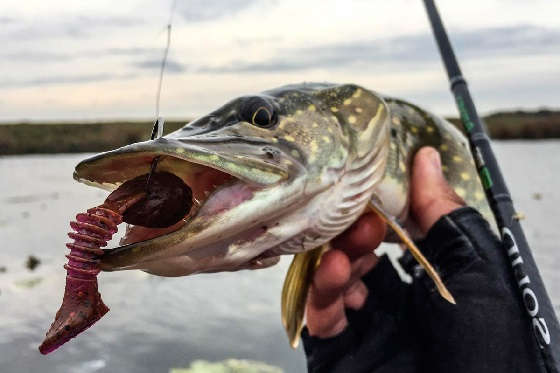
<point>436,159</point>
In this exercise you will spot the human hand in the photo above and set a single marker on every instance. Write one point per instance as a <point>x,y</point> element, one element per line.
<point>409,328</point>
<point>337,283</point>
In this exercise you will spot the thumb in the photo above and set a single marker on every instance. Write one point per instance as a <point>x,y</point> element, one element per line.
<point>431,195</point>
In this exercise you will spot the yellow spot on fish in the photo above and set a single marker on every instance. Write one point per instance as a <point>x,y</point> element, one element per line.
<point>402,166</point>
<point>478,196</point>
<point>326,139</point>
<point>460,192</point>
<point>375,118</point>
<point>214,157</point>
<point>180,150</point>
<point>274,139</point>
<point>414,129</point>
<point>299,112</point>
<point>348,101</point>
<point>358,93</point>
<point>465,176</point>
<point>393,146</point>
<point>444,168</point>
<point>295,153</point>
<point>443,147</point>
<point>311,107</point>
<point>289,138</point>
<point>315,125</point>
<point>313,146</point>
<point>330,129</point>
<point>457,159</point>
<point>351,119</point>
<point>430,129</point>
<point>396,120</point>
<point>359,110</point>
<point>334,109</point>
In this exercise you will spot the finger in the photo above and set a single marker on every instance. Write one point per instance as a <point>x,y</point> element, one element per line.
<point>431,195</point>
<point>356,292</point>
<point>362,237</point>
<point>355,296</point>
<point>325,306</point>
<point>361,266</point>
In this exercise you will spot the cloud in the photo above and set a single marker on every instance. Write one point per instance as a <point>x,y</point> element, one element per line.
<point>419,48</point>
<point>76,27</point>
<point>63,79</point>
<point>33,56</point>
<point>36,55</point>
<point>171,66</point>
<point>206,10</point>
<point>7,20</point>
<point>133,51</point>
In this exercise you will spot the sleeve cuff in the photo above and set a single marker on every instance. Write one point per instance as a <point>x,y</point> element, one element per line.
<point>322,352</point>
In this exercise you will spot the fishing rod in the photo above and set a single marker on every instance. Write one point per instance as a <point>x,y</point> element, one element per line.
<point>532,291</point>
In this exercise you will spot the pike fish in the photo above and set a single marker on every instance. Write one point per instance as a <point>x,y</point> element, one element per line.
<point>283,172</point>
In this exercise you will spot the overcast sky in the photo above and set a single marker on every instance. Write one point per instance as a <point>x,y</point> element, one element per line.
<point>100,59</point>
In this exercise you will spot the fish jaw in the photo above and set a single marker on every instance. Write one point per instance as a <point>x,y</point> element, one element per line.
<point>215,239</point>
<point>110,169</point>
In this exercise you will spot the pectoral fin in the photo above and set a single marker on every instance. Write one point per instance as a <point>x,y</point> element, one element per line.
<point>295,289</point>
<point>420,258</point>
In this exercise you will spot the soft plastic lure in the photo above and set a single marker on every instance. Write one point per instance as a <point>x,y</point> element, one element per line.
<point>166,200</point>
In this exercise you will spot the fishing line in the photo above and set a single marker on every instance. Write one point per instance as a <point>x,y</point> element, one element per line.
<point>157,130</point>
<point>164,59</point>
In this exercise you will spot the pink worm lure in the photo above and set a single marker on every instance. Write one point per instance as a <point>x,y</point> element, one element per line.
<point>161,204</point>
<point>82,305</point>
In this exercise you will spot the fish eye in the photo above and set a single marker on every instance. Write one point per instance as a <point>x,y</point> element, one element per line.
<point>262,117</point>
<point>259,112</point>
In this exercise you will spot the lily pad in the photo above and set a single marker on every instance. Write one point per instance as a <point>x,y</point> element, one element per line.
<point>228,366</point>
<point>28,283</point>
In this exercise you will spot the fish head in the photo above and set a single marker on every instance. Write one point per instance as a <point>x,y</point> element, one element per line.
<point>251,164</point>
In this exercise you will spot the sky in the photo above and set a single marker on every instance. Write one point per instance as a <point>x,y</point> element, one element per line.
<point>91,60</point>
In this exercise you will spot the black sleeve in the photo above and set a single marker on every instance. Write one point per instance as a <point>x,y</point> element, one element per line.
<point>410,328</point>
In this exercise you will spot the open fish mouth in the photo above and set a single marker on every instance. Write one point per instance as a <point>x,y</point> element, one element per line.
<point>219,183</point>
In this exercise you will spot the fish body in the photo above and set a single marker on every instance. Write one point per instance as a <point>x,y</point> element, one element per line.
<point>279,173</point>
<point>283,172</point>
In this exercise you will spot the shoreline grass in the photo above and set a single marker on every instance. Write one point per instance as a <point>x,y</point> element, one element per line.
<point>76,137</point>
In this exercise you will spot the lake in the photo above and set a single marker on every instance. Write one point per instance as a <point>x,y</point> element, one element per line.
<point>157,323</point>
